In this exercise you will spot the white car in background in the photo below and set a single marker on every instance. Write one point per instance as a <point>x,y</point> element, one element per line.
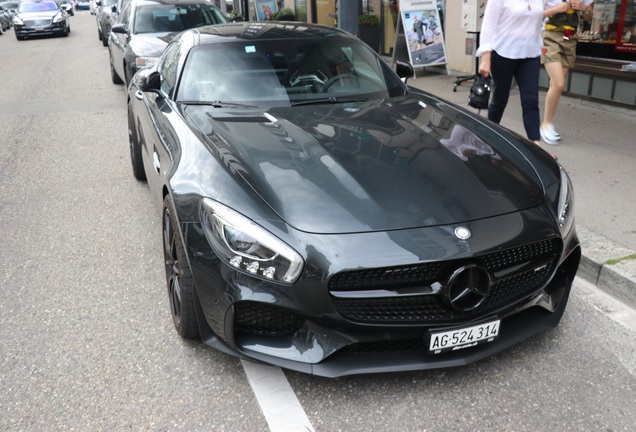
<point>68,6</point>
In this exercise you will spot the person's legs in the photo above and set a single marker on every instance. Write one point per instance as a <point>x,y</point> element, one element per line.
<point>558,57</point>
<point>527,76</point>
<point>502,70</point>
<point>557,74</point>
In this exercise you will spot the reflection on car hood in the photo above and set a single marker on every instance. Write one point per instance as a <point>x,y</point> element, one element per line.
<point>150,44</point>
<point>370,167</point>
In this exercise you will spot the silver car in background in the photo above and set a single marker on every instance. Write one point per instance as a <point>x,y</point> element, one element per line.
<point>106,16</point>
<point>5,19</point>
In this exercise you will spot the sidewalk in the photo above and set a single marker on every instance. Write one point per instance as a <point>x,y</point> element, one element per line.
<point>598,150</point>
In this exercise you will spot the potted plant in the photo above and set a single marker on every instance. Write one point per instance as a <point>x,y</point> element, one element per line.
<point>285,14</point>
<point>234,16</point>
<point>369,30</point>
<point>368,20</point>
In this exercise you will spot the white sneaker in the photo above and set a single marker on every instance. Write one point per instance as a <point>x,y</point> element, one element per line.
<point>550,127</point>
<point>549,135</point>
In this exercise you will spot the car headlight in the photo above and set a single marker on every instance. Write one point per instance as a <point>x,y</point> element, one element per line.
<point>246,246</point>
<point>17,21</point>
<point>142,62</point>
<point>57,18</point>
<point>566,204</point>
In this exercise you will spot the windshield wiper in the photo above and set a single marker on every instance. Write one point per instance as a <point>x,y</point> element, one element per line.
<point>329,100</point>
<point>218,104</point>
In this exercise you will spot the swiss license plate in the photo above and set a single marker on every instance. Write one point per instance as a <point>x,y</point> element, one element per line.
<point>463,337</point>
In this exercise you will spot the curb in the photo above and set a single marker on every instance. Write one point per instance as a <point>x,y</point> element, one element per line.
<point>618,280</point>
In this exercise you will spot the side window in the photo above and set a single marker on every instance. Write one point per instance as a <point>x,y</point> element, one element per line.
<point>168,71</point>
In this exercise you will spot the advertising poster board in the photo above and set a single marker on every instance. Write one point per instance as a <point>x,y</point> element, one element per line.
<point>423,33</point>
<point>265,9</point>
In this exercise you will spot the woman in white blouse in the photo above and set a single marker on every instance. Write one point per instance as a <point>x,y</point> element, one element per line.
<point>510,47</point>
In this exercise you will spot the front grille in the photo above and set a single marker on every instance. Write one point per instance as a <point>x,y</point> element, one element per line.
<point>258,319</point>
<point>37,23</point>
<point>514,285</point>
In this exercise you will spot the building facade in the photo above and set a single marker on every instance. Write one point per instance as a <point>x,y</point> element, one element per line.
<point>606,53</point>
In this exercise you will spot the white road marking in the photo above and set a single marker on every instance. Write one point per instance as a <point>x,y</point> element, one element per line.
<point>283,411</point>
<point>606,304</point>
<point>278,401</point>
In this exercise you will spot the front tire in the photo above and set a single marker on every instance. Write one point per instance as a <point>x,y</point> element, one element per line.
<point>135,149</point>
<point>178,276</point>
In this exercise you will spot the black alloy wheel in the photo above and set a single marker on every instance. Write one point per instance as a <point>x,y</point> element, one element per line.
<point>135,148</point>
<point>178,277</point>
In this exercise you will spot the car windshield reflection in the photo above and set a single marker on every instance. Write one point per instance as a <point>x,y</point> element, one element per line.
<point>160,18</point>
<point>270,73</point>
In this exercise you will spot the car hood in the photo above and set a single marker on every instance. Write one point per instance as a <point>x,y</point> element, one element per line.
<point>150,44</point>
<point>374,166</point>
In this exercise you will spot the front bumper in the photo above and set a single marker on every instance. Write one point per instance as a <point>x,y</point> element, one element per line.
<point>308,329</point>
<point>45,30</point>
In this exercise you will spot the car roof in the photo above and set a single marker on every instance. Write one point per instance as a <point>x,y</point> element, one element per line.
<point>138,3</point>
<point>257,30</point>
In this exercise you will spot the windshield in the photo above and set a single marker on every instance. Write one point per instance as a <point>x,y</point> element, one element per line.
<point>168,18</point>
<point>38,6</point>
<point>286,72</point>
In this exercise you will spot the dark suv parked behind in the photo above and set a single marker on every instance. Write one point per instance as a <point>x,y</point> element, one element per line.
<point>145,27</point>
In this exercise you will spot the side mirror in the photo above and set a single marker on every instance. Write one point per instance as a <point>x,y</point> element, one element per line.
<point>404,70</point>
<point>119,28</point>
<point>148,80</point>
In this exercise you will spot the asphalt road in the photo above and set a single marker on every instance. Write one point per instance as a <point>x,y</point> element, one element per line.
<point>86,338</point>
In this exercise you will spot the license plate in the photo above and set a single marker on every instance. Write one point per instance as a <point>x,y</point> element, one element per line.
<point>463,337</point>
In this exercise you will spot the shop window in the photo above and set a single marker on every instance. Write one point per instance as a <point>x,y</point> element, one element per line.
<point>611,33</point>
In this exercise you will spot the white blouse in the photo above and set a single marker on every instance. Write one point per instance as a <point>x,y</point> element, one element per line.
<point>512,28</point>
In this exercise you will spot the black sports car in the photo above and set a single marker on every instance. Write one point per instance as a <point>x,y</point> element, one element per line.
<point>322,216</point>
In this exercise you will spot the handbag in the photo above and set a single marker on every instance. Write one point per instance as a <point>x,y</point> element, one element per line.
<point>479,92</point>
